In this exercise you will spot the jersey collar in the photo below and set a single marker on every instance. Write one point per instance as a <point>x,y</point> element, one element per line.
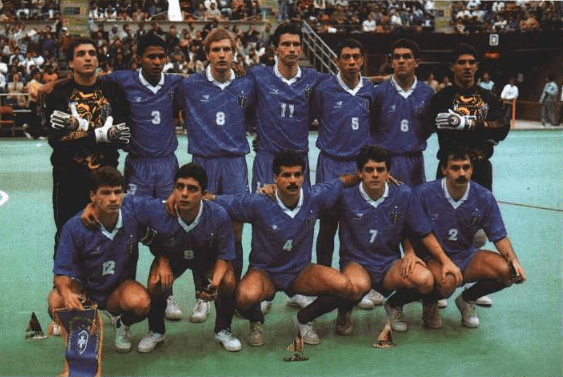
<point>346,88</point>
<point>291,80</point>
<point>449,197</point>
<point>221,85</point>
<point>116,229</point>
<point>370,201</point>
<point>148,85</point>
<point>190,227</point>
<point>291,212</point>
<point>404,93</point>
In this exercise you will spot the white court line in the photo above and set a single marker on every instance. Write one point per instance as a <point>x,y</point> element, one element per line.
<point>3,197</point>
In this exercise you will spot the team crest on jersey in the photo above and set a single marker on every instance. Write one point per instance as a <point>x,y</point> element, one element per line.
<point>242,100</point>
<point>311,220</point>
<point>308,92</point>
<point>171,96</point>
<point>475,217</point>
<point>131,245</point>
<point>394,215</point>
<point>420,108</point>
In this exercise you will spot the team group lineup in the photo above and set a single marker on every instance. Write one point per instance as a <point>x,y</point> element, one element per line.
<point>370,187</point>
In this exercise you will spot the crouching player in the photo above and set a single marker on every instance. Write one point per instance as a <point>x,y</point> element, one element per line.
<point>99,265</point>
<point>458,208</point>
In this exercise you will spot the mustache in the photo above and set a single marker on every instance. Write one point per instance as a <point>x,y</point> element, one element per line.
<point>462,180</point>
<point>292,186</point>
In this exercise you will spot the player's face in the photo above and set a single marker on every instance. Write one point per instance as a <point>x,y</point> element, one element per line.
<point>288,49</point>
<point>188,194</point>
<point>289,181</point>
<point>350,62</point>
<point>464,70</point>
<point>220,55</point>
<point>374,174</point>
<point>107,199</point>
<point>153,60</point>
<point>458,172</point>
<point>403,62</point>
<point>84,60</point>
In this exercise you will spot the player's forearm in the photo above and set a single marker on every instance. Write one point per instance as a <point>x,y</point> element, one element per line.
<point>504,247</point>
<point>62,283</point>
<point>408,249</point>
<point>349,179</point>
<point>219,270</point>
<point>431,244</point>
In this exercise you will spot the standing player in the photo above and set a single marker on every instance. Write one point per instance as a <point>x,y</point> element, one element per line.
<point>548,99</point>
<point>100,264</point>
<point>458,208</point>
<point>282,117</point>
<point>343,105</point>
<point>151,163</point>
<point>282,239</point>
<point>215,106</point>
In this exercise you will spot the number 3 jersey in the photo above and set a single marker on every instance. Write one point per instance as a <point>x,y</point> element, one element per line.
<point>216,115</point>
<point>456,222</point>
<point>282,239</point>
<point>371,231</point>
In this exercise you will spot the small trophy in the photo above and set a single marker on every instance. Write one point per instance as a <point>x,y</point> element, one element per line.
<point>34,330</point>
<point>297,348</point>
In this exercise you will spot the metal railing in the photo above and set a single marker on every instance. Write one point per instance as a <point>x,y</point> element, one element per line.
<point>319,53</point>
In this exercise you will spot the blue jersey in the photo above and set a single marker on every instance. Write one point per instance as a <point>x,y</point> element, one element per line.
<point>100,259</point>
<point>371,231</point>
<point>151,120</point>
<point>282,111</point>
<point>455,223</point>
<point>344,116</point>
<point>215,117</point>
<point>399,126</point>
<point>282,243</point>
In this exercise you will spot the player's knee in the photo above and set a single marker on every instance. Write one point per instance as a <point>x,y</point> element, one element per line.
<point>358,290</point>
<point>139,302</point>
<point>55,301</point>
<point>448,287</point>
<point>246,297</point>
<point>424,281</point>
<point>228,284</point>
<point>504,274</point>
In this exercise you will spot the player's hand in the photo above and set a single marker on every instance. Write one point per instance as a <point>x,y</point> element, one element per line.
<point>171,206</point>
<point>89,217</point>
<point>209,294</point>
<point>408,263</point>
<point>392,180</point>
<point>269,190</point>
<point>517,272</point>
<point>453,121</point>
<point>450,268</point>
<point>255,143</point>
<point>68,122</point>
<point>73,301</point>
<point>164,275</point>
<point>113,133</point>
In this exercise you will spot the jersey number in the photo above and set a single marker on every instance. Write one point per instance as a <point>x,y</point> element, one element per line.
<point>355,123</point>
<point>289,108</point>
<point>452,235</point>
<point>155,117</point>
<point>288,245</point>
<point>108,268</point>
<point>373,233</point>
<point>188,254</point>
<point>404,125</point>
<point>220,118</point>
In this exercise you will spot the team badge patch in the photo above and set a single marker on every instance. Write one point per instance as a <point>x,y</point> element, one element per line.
<point>475,217</point>
<point>308,92</point>
<point>394,215</point>
<point>242,100</point>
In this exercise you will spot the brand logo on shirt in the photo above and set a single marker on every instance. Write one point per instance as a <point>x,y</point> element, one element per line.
<point>392,108</point>
<point>274,91</point>
<point>338,104</point>
<point>137,99</point>
<point>434,217</point>
<point>205,98</point>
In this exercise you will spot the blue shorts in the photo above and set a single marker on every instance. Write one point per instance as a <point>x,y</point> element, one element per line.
<point>150,176</point>
<point>262,173</point>
<point>408,169</point>
<point>281,282</point>
<point>377,275</point>
<point>226,175</point>
<point>330,168</point>
<point>461,261</point>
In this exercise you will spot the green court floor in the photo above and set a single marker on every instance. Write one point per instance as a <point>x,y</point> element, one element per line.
<point>520,335</point>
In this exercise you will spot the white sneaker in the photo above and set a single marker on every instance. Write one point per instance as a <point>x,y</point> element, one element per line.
<point>150,341</point>
<point>172,312</point>
<point>122,337</point>
<point>484,301</point>
<point>256,334</point>
<point>307,331</point>
<point>468,313</point>
<point>366,303</point>
<point>201,310</point>
<point>265,306</point>
<point>229,342</point>
<point>443,303</point>
<point>371,299</point>
<point>300,301</point>
<point>395,315</point>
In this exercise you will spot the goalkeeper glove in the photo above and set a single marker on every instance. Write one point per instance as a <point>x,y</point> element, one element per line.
<point>453,121</point>
<point>113,133</point>
<point>68,122</point>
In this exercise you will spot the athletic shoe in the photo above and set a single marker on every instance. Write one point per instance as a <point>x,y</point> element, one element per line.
<point>307,332</point>
<point>395,315</point>
<point>430,315</point>
<point>149,342</point>
<point>172,312</point>
<point>256,334</point>
<point>265,306</point>
<point>344,323</point>
<point>56,328</point>
<point>366,303</point>
<point>468,313</point>
<point>229,342</point>
<point>371,299</point>
<point>484,301</point>
<point>201,310</point>
<point>112,318</point>
<point>443,303</point>
<point>122,337</point>
<point>300,301</point>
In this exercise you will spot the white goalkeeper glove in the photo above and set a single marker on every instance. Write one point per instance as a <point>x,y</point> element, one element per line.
<point>113,133</point>
<point>68,122</point>
<point>453,121</point>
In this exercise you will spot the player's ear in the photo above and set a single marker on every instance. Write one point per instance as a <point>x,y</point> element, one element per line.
<point>92,195</point>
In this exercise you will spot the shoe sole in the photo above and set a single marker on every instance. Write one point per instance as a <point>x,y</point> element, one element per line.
<point>198,320</point>
<point>293,304</point>
<point>468,326</point>
<point>122,350</point>
<point>230,350</point>
<point>429,326</point>
<point>311,342</point>
<point>256,344</point>
<point>173,318</point>
<point>152,349</point>
<point>366,307</point>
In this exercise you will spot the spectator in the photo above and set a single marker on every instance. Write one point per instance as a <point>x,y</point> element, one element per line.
<point>445,83</point>
<point>486,82</point>
<point>509,95</point>
<point>432,82</point>
<point>368,26</point>
<point>548,99</point>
